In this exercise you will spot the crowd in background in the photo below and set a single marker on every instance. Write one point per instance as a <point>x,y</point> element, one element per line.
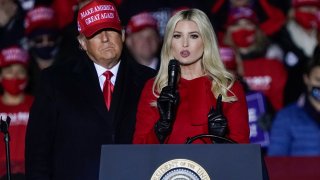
<point>270,46</point>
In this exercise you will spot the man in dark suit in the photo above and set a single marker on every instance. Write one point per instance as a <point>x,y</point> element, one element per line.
<point>72,115</point>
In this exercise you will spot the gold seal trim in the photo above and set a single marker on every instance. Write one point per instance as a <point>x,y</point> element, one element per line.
<point>180,169</point>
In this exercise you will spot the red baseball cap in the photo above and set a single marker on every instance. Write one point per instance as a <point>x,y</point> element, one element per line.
<point>40,18</point>
<point>238,13</point>
<point>141,21</point>
<point>298,3</point>
<point>97,15</point>
<point>13,55</point>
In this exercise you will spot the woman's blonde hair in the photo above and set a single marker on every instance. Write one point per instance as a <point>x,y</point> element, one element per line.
<point>211,61</point>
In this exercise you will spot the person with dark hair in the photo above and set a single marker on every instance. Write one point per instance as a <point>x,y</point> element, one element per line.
<point>296,129</point>
<point>43,37</point>
<point>85,102</point>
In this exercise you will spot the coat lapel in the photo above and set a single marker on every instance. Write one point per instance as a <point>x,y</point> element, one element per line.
<point>88,85</point>
<point>122,97</point>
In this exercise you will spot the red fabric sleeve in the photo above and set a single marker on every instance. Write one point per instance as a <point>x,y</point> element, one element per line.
<point>237,116</point>
<point>64,11</point>
<point>147,116</point>
<point>191,123</point>
<point>275,20</point>
<point>279,82</point>
<point>216,6</point>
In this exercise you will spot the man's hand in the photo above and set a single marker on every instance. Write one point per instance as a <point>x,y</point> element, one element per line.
<point>167,106</point>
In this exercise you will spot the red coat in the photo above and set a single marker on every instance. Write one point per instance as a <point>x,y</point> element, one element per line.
<point>196,99</point>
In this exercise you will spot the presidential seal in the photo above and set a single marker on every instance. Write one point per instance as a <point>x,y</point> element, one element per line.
<point>180,169</point>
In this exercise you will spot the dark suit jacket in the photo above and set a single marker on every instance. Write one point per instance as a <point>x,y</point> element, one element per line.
<point>69,121</point>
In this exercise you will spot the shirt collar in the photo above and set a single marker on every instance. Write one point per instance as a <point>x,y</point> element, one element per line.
<point>100,70</point>
<point>154,63</point>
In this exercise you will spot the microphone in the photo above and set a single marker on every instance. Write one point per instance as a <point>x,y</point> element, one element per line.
<point>173,73</point>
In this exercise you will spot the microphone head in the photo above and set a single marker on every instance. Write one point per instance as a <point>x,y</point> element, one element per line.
<point>174,65</point>
<point>173,72</point>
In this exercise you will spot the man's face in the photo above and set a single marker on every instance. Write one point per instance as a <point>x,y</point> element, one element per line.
<point>144,44</point>
<point>104,48</point>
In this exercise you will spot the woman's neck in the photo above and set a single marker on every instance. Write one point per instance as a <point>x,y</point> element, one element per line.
<point>190,74</point>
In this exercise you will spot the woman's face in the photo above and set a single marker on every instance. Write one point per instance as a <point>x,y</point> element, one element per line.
<point>187,44</point>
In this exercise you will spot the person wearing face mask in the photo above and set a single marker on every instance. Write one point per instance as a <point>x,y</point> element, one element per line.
<point>270,13</point>
<point>43,35</point>
<point>15,103</point>
<point>296,129</point>
<point>262,69</point>
<point>298,40</point>
<point>43,40</point>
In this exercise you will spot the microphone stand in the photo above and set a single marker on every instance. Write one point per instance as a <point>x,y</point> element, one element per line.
<point>4,126</point>
<point>214,138</point>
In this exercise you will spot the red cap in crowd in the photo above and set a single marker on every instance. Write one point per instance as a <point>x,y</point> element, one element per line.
<point>13,55</point>
<point>97,15</point>
<point>228,57</point>
<point>40,18</point>
<point>238,13</point>
<point>141,21</point>
<point>298,3</point>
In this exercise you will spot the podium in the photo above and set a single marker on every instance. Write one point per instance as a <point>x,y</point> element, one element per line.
<point>191,161</point>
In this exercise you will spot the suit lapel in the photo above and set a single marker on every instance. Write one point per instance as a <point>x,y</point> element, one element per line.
<point>124,88</point>
<point>88,85</point>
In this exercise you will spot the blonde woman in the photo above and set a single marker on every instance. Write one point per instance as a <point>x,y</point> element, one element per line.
<point>190,39</point>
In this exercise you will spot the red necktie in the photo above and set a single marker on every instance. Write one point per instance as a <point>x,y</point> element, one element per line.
<point>107,88</point>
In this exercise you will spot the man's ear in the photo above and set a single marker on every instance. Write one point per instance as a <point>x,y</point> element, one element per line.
<point>128,42</point>
<point>82,41</point>
<point>123,35</point>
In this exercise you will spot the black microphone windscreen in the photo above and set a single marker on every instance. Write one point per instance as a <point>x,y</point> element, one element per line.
<point>173,71</point>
